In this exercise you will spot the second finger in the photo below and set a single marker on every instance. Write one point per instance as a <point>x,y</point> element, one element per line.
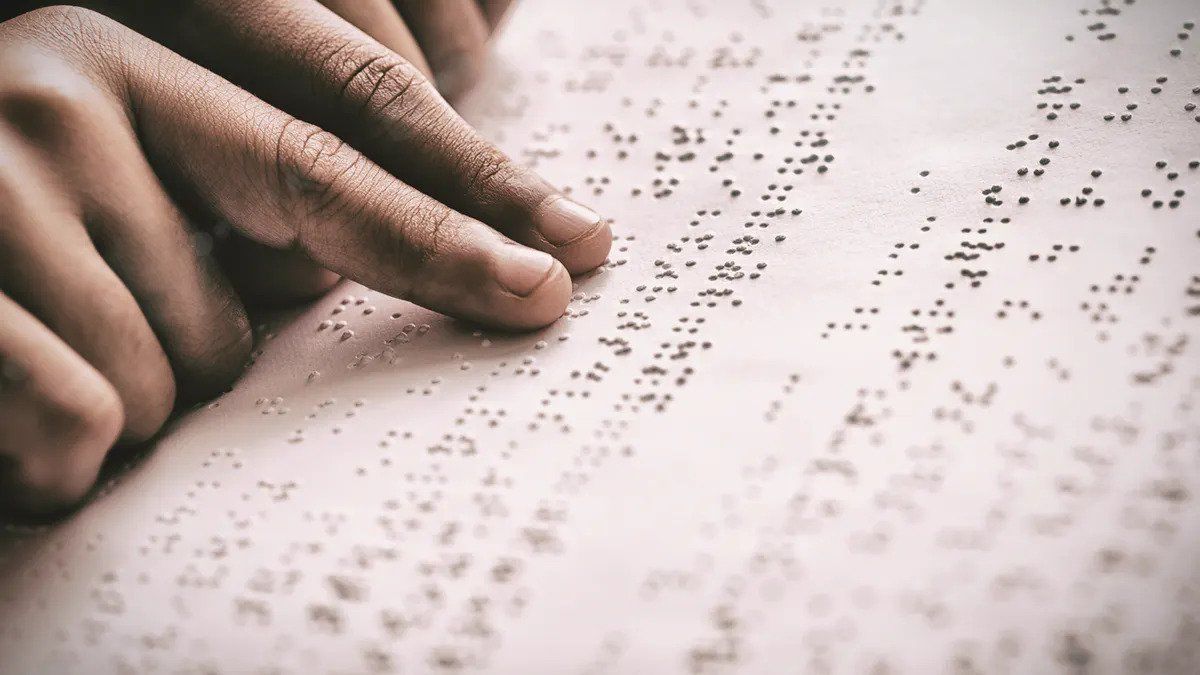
<point>380,20</point>
<point>453,34</point>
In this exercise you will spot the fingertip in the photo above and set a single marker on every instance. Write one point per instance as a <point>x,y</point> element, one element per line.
<point>544,304</point>
<point>573,233</point>
<point>588,252</point>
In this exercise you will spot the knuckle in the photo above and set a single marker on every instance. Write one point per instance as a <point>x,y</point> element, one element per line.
<point>379,80</point>
<point>53,64</point>
<point>88,411</point>
<point>316,169</point>
<point>380,86</point>
<point>48,107</point>
<point>71,427</point>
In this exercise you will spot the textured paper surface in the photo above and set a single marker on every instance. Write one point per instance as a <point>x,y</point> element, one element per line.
<point>821,412</point>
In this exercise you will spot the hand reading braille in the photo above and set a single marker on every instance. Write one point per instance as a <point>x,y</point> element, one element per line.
<point>317,149</point>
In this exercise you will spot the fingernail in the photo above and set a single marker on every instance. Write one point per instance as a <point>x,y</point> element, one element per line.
<point>523,270</point>
<point>562,221</point>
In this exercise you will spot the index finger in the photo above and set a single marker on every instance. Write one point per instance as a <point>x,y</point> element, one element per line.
<point>291,185</point>
<point>303,58</point>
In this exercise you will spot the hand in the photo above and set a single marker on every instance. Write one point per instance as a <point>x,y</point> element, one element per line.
<point>112,147</point>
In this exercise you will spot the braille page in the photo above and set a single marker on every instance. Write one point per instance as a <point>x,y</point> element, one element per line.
<point>894,368</point>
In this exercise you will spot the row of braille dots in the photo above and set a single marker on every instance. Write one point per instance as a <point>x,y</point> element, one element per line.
<point>1100,27</point>
<point>1177,195</point>
<point>651,110</point>
<point>1043,162</point>
<point>1182,36</point>
<point>850,325</point>
<point>881,31</point>
<point>716,113</point>
<point>1155,90</point>
<point>1121,283</point>
<point>977,248</point>
<point>659,58</point>
<point>680,135</point>
<point>1099,313</point>
<point>339,326</point>
<point>1009,305</point>
<point>618,139</point>
<point>982,246</point>
<point>297,435</point>
<point>990,198</point>
<point>723,57</point>
<point>1193,291</point>
<point>1084,196</point>
<point>787,164</point>
<point>1052,87</point>
<point>900,246</point>
<point>1056,248</point>
<point>776,405</point>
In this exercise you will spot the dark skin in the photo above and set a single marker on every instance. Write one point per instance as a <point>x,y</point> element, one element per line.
<point>306,141</point>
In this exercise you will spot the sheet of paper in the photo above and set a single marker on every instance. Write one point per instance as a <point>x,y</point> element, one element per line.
<point>894,369</point>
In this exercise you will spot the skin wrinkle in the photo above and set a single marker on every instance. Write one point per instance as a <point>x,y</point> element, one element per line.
<point>409,259</point>
<point>333,196</point>
<point>325,73</point>
<point>426,134</point>
<point>385,76</point>
<point>398,124</point>
<point>350,79</point>
<point>283,173</point>
<point>482,168</point>
<point>435,226</point>
<point>484,188</point>
<point>329,199</point>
